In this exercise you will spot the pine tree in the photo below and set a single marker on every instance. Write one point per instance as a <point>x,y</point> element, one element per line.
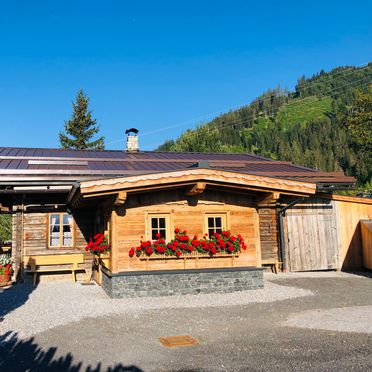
<point>81,127</point>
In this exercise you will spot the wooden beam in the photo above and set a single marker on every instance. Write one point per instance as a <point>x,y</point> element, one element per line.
<point>99,194</point>
<point>3,208</point>
<point>196,189</point>
<point>267,199</point>
<point>195,175</point>
<point>120,199</point>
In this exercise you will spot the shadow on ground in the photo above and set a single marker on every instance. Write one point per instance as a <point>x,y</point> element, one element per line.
<point>14,297</point>
<point>26,355</point>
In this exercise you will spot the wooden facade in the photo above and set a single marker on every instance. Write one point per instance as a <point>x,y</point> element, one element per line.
<point>30,235</point>
<point>130,222</point>
<point>324,233</point>
<point>366,230</point>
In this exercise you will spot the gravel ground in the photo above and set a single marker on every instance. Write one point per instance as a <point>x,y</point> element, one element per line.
<point>245,335</point>
<point>347,319</point>
<point>69,302</point>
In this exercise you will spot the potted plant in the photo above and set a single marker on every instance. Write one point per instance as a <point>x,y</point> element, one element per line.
<point>98,246</point>
<point>182,245</point>
<point>6,268</point>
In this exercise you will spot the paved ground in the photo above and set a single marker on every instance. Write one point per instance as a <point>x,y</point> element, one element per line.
<point>240,337</point>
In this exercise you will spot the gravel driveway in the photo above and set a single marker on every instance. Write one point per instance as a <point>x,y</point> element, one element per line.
<point>299,322</point>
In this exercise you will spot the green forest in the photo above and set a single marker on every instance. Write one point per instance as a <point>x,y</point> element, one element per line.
<point>325,123</point>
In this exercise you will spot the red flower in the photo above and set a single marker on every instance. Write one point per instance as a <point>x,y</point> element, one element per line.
<point>131,252</point>
<point>138,249</point>
<point>230,249</point>
<point>195,243</point>
<point>158,236</point>
<point>148,250</point>
<point>232,239</point>
<point>176,230</point>
<point>178,253</point>
<point>213,251</point>
<point>244,247</point>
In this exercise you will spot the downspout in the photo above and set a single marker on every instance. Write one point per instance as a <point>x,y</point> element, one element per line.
<point>281,214</point>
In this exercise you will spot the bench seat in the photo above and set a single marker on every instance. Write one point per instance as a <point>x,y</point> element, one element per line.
<point>54,263</point>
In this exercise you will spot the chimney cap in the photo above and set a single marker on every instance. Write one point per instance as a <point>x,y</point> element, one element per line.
<point>132,130</point>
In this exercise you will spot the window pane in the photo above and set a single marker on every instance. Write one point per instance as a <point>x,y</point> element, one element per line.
<point>218,222</point>
<point>54,236</point>
<point>153,234</point>
<point>54,219</point>
<point>218,230</point>
<point>54,229</point>
<point>67,236</point>
<point>154,223</point>
<point>163,233</point>
<point>210,222</point>
<point>162,223</point>
<point>67,219</point>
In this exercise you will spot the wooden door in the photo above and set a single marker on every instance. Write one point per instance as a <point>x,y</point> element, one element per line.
<point>312,241</point>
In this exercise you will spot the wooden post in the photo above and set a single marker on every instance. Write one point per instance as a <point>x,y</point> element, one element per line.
<point>17,244</point>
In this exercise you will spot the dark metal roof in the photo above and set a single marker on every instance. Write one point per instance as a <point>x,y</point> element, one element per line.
<point>60,164</point>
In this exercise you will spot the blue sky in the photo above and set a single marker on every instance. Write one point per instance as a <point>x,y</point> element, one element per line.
<point>161,66</point>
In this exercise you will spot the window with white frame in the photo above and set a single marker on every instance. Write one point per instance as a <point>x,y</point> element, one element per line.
<point>60,230</point>
<point>158,224</point>
<point>215,223</point>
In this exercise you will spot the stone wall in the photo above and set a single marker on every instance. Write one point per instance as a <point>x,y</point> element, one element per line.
<point>175,282</point>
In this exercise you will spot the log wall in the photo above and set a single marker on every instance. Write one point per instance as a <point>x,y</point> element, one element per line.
<point>31,232</point>
<point>268,234</point>
<point>128,225</point>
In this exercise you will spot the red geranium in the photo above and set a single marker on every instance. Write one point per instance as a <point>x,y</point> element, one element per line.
<point>98,244</point>
<point>182,244</point>
<point>6,264</point>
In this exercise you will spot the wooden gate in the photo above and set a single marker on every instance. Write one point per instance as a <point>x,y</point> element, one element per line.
<point>312,240</point>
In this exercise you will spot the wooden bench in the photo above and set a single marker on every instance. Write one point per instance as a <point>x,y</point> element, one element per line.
<point>274,264</point>
<point>49,263</point>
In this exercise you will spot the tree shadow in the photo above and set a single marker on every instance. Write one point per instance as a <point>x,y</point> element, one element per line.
<point>27,355</point>
<point>14,297</point>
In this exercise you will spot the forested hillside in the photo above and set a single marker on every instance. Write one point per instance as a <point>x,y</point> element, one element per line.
<point>308,126</point>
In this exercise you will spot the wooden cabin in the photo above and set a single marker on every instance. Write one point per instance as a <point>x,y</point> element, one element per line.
<point>60,198</point>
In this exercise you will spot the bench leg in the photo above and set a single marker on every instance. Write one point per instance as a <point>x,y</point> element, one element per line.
<point>276,268</point>
<point>74,276</point>
<point>35,278</point>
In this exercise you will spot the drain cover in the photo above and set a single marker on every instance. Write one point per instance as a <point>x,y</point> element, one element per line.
<point>178,341</point>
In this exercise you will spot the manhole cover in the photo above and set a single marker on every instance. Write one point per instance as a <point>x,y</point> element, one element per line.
<point>178,341</point>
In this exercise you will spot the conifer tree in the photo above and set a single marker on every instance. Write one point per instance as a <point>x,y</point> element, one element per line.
<point>81,127</point>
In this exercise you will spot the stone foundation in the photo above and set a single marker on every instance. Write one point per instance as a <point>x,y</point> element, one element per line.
<point>176,282</point>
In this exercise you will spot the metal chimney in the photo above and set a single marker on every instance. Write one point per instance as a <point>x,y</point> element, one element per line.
<point>132,140</point>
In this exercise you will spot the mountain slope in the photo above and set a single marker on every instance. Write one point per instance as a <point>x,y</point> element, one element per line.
<point>306,126</point>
